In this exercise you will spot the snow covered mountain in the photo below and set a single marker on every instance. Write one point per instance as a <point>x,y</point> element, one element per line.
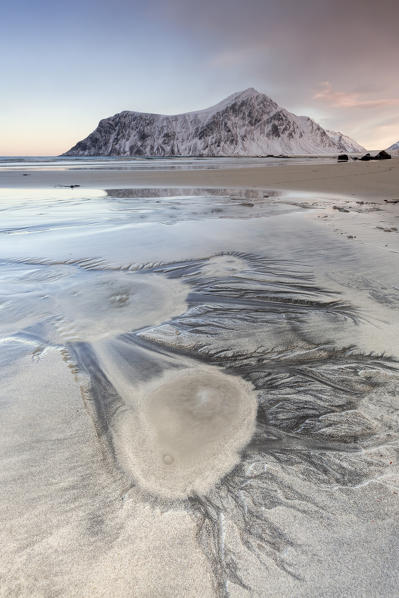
<point>247,123</point>
<point>394,147</point>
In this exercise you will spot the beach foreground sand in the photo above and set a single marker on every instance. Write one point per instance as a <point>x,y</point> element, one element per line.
<point>200,382</point>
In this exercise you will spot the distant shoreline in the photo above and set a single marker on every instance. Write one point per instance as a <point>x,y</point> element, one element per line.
<point>202,157</point>
<point>333,155</point>
<point>376,180</point>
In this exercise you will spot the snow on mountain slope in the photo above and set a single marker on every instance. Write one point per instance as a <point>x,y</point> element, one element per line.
<point>344,142</point>
<point>247,123</point>
<point>394,148</point>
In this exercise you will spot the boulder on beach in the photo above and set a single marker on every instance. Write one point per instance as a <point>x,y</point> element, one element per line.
<point>343,158</point>
<point>366,157</point>
<point>382,155</point>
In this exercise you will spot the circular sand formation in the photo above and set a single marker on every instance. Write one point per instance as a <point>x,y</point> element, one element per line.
<point>223,266</point>
<point>188,431</point>
<point>111,303</point>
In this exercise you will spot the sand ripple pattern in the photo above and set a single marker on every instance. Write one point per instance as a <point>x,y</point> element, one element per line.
<point>236,403</point>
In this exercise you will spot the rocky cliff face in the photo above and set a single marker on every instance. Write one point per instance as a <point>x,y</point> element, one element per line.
<point>247,123</point>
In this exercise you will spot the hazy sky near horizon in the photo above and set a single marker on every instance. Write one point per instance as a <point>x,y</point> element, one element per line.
<point>66,65</point>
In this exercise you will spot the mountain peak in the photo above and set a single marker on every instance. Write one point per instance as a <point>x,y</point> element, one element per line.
<point>245,94</point>
<point>250,92</point>
<point>239,96</point>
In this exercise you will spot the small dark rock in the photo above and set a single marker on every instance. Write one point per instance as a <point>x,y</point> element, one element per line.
<point>66,186</point>
<point>343,158</point>
<point>387,229</point>
<point>383,155</point>
<point>366,157</point>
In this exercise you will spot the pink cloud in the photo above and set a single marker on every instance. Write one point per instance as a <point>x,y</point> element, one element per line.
<point>341,99</point>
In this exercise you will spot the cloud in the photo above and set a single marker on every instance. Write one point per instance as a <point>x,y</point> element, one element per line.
<point>342,99</point>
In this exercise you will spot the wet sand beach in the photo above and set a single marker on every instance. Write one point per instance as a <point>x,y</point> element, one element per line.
<point>361,179</point>
<point>200,381</point>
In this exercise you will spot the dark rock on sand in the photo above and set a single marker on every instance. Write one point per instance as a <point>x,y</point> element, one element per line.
<point>382,155</point>
<point>343,158</point>
<point>68,186</point>
<point>341,209</point>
